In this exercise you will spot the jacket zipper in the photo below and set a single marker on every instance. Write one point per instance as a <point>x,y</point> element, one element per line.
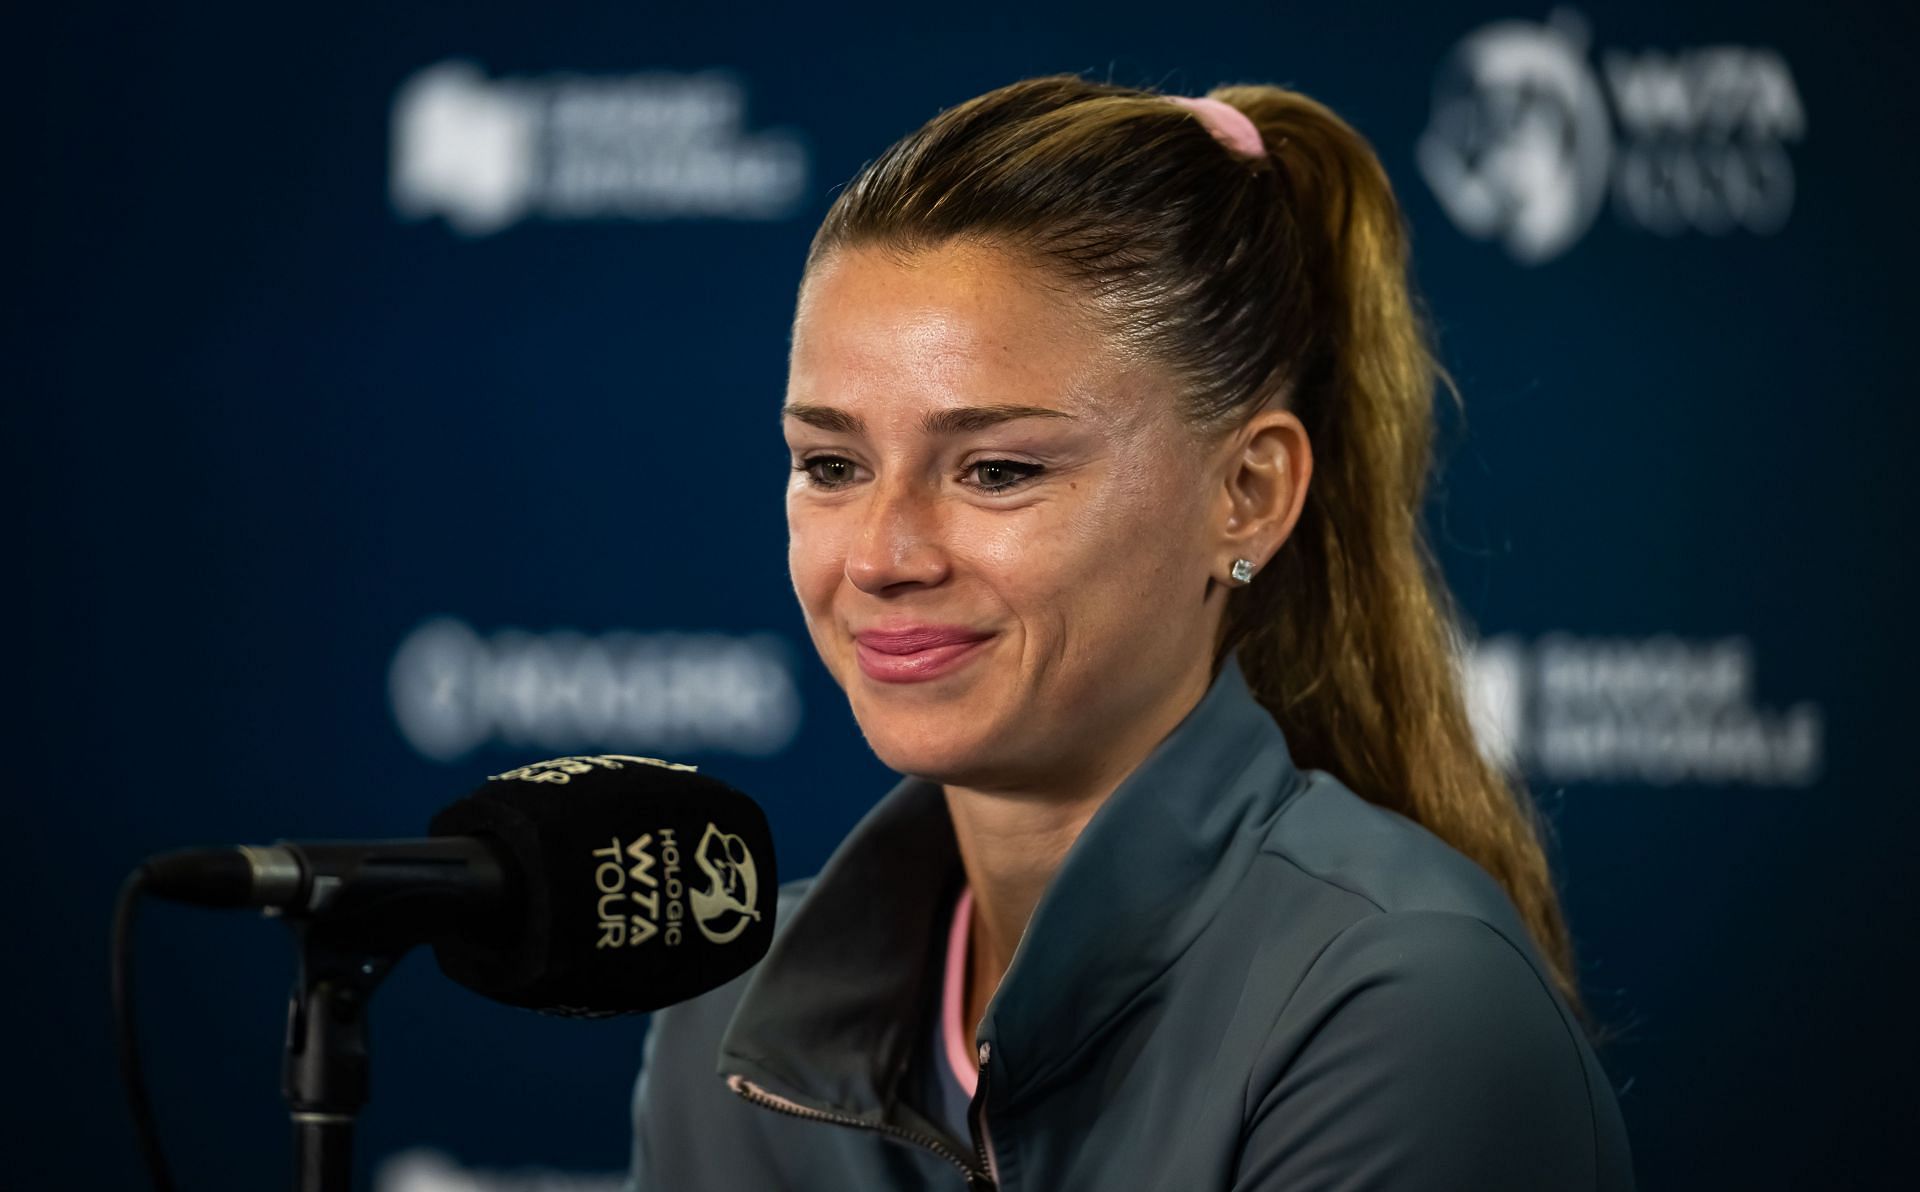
<point>976,1176</point>
<point>984,1144</point>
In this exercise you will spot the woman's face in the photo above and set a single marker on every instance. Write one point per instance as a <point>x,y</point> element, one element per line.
<point>997,523</point>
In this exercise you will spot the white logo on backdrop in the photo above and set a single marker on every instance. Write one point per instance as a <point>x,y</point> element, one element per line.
<point>424,1170</point>
<point>485,153</point>
<point>453,691</point>
<point>1659,711</point>
<point>1526,139</point>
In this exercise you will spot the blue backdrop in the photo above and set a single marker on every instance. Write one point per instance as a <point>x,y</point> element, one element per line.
<point>394,399</point>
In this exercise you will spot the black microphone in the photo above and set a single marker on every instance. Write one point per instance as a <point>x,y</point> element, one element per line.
<point>583,886</point>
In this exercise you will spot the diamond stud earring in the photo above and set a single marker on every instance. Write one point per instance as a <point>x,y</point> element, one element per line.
<point>1243,571</point>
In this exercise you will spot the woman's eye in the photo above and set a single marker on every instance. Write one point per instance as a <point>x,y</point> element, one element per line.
<point>826,471</point>
<point>998,475</point>
<point>989,475</point>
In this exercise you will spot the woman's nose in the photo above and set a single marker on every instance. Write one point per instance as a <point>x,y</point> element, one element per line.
<point>898,540</point>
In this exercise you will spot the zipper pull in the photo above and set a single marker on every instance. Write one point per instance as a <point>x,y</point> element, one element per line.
<point>983,1141</point>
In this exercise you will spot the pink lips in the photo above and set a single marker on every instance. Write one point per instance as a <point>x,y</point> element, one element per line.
<point>915,653</point>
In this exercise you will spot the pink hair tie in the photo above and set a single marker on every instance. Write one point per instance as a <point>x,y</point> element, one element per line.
<point>1228,124</point>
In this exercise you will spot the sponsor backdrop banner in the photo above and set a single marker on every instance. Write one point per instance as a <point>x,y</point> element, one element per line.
<point>394,402</point>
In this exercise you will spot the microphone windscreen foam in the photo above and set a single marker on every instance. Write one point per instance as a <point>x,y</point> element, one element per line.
<point>635,884</point>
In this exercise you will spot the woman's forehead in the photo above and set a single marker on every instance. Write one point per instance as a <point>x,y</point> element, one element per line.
<point>949,323</point>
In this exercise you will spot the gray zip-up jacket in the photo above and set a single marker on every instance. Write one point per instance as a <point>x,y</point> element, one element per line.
<point>1243,976</point>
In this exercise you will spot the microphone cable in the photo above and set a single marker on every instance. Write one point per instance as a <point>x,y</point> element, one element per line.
<point>144,1124</point>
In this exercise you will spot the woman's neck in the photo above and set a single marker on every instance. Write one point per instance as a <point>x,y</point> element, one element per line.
<point>1012,843</point>
<point>1010,848</point>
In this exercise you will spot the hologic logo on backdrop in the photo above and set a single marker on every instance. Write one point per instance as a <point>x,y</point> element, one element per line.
<point>454,691</point>
<point>1657,711</point>
<point>485,153</point>
<point>1527,140</point>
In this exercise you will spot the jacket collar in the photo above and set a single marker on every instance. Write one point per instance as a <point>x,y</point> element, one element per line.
<point>833,1016</point>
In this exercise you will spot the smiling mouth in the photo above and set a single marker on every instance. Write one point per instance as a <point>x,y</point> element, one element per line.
<point>915,656</point>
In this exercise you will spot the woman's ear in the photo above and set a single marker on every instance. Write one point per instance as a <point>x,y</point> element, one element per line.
<point>1265,468</point>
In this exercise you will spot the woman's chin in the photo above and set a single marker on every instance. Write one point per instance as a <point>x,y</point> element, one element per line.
<point>935,756</point>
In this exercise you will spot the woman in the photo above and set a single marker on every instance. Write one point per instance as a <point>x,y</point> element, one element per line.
<point>1197,879</point>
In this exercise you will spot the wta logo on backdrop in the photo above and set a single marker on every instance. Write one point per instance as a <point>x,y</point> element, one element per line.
<point>1657,711</point>
<point>454,690</point>
<point>486,153</point>
<point>1528,141</point>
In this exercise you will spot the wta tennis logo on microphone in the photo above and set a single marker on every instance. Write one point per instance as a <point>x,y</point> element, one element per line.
<point>723,910</point>
<point>630,890</point>
<point>642,895</point>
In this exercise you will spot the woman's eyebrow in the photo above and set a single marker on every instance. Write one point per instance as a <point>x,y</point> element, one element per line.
<point>822,417</point>
<point>971,418</point>
<point>939,422</point>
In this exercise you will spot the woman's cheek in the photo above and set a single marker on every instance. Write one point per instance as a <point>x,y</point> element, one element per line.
<point>811,562</point>
<point>999,545</point>
<point>815,580</point>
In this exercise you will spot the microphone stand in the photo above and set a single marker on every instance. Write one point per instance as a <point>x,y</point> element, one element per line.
<point>350,935</point>
<point>325,1074</point>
